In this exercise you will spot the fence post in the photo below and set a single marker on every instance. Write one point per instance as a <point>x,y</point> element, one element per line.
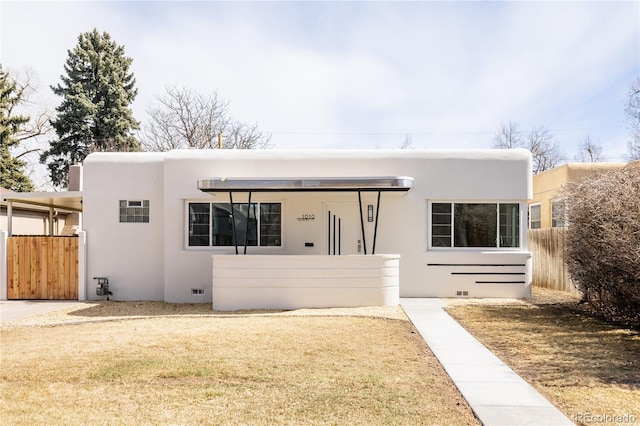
<point>82,265</point>
<point>3,262</point>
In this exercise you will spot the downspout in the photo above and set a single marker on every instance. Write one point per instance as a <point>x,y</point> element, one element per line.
<point>51,222</point>
<point>9,217</point>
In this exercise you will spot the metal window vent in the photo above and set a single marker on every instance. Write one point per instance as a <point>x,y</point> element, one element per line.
<point>462,293</point>
<point>195,291</point>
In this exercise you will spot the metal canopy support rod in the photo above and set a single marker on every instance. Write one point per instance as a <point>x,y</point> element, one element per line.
<point>246,229</point>
<point>364,239</point>
<point>233,222</point>
<point>339,236</point>
<point>329,234</point>
<point>334,234</point>
<point>375,228</point>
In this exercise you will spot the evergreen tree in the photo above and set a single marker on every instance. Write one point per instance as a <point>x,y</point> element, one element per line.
<point>11,168</point>
<point>95,113</point>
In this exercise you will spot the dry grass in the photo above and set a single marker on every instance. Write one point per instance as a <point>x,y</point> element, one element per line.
<point>580,363</point>
<point>308,367</point>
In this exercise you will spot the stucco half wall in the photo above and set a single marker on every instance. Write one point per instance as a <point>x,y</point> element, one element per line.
<point>294,282</point>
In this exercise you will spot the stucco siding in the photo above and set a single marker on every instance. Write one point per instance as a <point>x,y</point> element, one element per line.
<point>129,254</point>
<point>152,261</point>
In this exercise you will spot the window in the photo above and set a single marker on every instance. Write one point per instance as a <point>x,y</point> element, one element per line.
<point>270,224</point>
<point>134,211</point>
<point>210,224</point>
<point>558,213</point>
<point>535,216</point>
<point>475,225</point>
<point>441,225</point>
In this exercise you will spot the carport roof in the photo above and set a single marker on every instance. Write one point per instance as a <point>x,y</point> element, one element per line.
<point>70,201</point>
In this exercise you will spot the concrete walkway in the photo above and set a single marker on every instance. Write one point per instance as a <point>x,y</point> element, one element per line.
<point>18,309</point>
<point>496,394</point>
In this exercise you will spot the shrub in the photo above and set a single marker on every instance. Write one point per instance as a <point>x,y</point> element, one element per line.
<point>603,239</point>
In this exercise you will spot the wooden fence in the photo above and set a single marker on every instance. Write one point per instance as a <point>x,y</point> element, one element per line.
<point>42,268</point>
<point>548,256</point>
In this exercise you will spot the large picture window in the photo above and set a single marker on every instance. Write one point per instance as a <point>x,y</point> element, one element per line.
<point>475,225</point>
<point>210,224</point>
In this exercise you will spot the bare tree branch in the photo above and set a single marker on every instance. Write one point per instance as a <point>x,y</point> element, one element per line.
<point>589,151</point>
<point>546,154</point>
<point>508,136</point>
<point>182,118</point>
<point>29,151</point>
<point>407,143</point>
<point>633,115</point>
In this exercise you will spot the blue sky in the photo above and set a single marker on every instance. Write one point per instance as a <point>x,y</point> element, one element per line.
<point>363,74</point>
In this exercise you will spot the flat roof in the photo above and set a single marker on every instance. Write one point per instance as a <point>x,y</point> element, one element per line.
<point>307,184</point>
<point>70,201</point>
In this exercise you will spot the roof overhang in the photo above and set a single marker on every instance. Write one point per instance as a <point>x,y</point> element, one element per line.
<point>307,184</point>
<point>69,201</point>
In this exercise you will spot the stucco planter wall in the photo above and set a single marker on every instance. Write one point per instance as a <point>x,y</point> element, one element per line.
<point>294,282</point>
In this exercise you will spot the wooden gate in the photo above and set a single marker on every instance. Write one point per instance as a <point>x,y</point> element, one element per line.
<point>42,268</point>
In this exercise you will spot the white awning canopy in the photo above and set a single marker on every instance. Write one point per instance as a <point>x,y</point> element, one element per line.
<point>357,185</point>
<point>306,184</point>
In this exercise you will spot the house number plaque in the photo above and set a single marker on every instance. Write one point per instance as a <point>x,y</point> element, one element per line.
<point>307,217</point>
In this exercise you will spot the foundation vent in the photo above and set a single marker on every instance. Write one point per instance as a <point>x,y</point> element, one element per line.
<point>462,293</point>
<point>196,291</point>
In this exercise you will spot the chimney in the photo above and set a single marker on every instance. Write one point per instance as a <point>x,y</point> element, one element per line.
<point>75,178</point>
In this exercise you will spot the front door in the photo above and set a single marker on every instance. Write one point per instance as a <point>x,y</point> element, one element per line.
<point>343,229</point>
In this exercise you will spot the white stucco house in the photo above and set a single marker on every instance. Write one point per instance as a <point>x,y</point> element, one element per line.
<point>307,228</point>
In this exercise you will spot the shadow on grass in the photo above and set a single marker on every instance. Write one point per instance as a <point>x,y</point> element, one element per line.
<point>103,309</point>
<point>556,344</point>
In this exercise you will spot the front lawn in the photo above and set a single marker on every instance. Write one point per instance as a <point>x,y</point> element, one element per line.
<point>586,367</point>
<point>217,369</point>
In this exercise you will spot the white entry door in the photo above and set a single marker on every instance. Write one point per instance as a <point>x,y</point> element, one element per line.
<point>342,229</point>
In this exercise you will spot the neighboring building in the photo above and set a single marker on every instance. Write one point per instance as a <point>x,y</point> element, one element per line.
<point>546,208</point>
<point>32,214</point>
<point>31,219</point>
